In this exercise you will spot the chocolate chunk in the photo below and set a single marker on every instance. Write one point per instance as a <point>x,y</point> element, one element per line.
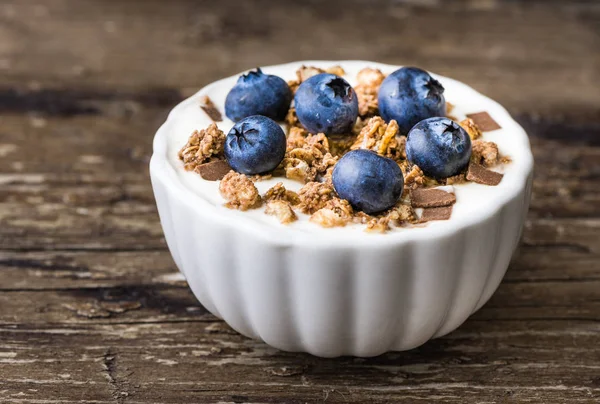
<point>430,198</point>
<point>482,175</point>
<point>484,121</point>
<point>207,106</point>
<point>440,213</point>
<point>213,171</point>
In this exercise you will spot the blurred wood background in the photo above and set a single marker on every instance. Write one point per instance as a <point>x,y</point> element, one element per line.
<point>91,308</point>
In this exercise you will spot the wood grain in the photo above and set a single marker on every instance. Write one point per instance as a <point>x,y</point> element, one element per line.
<point>92,309</point>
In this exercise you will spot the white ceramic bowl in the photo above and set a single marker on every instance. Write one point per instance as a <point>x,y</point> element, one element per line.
<point>342,291</point>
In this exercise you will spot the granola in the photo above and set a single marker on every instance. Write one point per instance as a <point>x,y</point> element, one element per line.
<point>202,146</point>
<point>279,193</point>
<point>485,153</point>
<point>239,192</point>
<point>296,138</point>
<point>382,138</point>
<point>415,178</point>
<point>368,82</point>
<point>471,127</point>
<point>308,158</point>
<point>314,196</point>
<point>400,214</point>
<point>335,213</point>
<point>282,210</point>
<point>291,119</point>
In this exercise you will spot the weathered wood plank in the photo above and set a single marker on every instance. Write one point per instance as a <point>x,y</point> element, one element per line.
<point>200,360</point>
<point>158,303</point>
<point>548,53</point>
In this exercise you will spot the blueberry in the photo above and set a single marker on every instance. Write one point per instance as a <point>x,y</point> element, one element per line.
<point>439,146</point>
<point>370,182</point>
<point>255,145</point>
<point>256,93</point>
<point>410,95</point>
<point>326,103</point>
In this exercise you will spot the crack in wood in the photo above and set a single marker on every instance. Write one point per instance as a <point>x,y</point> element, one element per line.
<point>119,388</point>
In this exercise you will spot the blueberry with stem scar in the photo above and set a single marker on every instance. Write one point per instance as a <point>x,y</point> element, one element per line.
<point>439,146</point>
<point>256,93</point>
<point>410,95</point>
<point>326,103</point>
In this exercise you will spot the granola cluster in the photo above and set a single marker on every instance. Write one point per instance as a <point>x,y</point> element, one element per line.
<point>307,158</point>
<point>485,153</point>
<point>282,210</point>
<point>382,138</point>
<point>239,191</point>
<point>202,147</point>
<point>310,159</point>
<point>471,127</point>
<point>335,212</point>
<point>368,82</point>
<point>279,193</point>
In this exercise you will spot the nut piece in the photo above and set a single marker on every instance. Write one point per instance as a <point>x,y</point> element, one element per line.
<point>282,210</point>
<point>239,191</point>
<point>485,153</point>
<point>202,147</point>
<point>380,137</point>
<point>471,127</point>
<point>314,196</point>
<point>278,193</point>
<point>368,82</point>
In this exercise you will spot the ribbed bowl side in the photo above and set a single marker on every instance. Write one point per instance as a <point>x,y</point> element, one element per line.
<point>332,300</point>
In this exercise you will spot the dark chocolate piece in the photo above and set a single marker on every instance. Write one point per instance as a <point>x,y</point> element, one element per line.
<point>481,175</point>
<point>207,106</point>
<point>484,121</point>
<point>440,213</point>
<point>430,198</point>
<point>213,171</point>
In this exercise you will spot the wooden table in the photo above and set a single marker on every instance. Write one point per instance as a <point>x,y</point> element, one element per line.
<point>91,307</point>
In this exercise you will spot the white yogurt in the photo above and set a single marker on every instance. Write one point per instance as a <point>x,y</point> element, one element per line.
<point>470,197</point>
